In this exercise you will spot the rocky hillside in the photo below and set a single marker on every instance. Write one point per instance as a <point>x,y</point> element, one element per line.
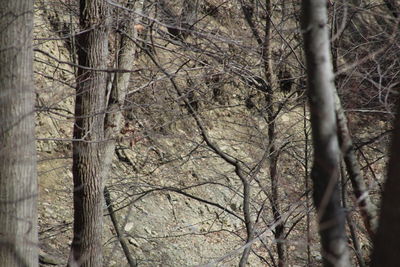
<point>176,197</point>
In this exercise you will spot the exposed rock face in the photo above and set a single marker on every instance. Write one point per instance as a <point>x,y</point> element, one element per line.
<point>177,201</point>
<point>166,227</point>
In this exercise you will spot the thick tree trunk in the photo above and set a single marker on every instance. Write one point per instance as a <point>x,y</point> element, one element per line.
<point>386,244</point>
<point>89,170</point>
<point>92,160</point>
<point>18,181</point>
<point>325,172</point>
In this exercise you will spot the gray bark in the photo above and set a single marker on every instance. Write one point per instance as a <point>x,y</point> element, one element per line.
<point>18,179</point>
<point>353,168</point>
<point>98,123</point>
<point>325,172</point>
<point>367,210</point>
<point>89,170</point>
<point>114,116</point>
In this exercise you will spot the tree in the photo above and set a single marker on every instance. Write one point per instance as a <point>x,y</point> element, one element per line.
<point>213,132</point>
<point>89,170</point>
<point>18,183</point>
<point>325,173</point>
<point>98,114</point>
<point>386,248</point>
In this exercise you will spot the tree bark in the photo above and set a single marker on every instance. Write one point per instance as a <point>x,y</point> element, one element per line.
<point>386,244</point>
<point>272,150</point>
<point>89,170</point>
<point>325,172</point>
<point>98,122</point>
<point>18,179</point>
<point>353,168</point>
<point>114,116</point>
<point>367,210</point>
<point>126,56</point>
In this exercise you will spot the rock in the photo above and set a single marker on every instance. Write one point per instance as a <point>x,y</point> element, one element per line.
<point>128,226</point>
<point>47,259</point>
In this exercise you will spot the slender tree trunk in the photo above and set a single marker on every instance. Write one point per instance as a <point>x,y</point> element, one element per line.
<point>18,180</point>
<point>119,232</point>
<point>125,59</point>
<point>350,224</point>
<point>271,83</point>
<point>367,210</point>
<point>306,182</point>
<point>353,168</point>
<point>271,121</point>
<point>325,173</point>
<point>114,116</point>
<point>89,170</point>
<point>386,244</point>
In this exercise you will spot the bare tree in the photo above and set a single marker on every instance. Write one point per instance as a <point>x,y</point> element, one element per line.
<point>325,173</point>
<point>98,115</point>
<point>89,170</point>
<point>386,248</point>
<point>272,134</point>
<point>114,118</point>
<point>206,122</point>
<point>18,182</point>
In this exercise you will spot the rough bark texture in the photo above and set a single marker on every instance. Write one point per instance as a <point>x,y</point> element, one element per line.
<point>89,170</point>
<point>18,180</point>
<point>98,122</point>
<point>325,172</point>
<point>386,245</point>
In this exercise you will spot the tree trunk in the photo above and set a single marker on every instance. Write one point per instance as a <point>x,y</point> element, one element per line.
<point>119,232</point>
<point>114,117</point>
<point>18,180</point>
<point>325,172</point>
<point>272,136</point>
<point>386,244</point>
<point>89,170</point>
<point>353,168</point>
<point>270,84</point>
